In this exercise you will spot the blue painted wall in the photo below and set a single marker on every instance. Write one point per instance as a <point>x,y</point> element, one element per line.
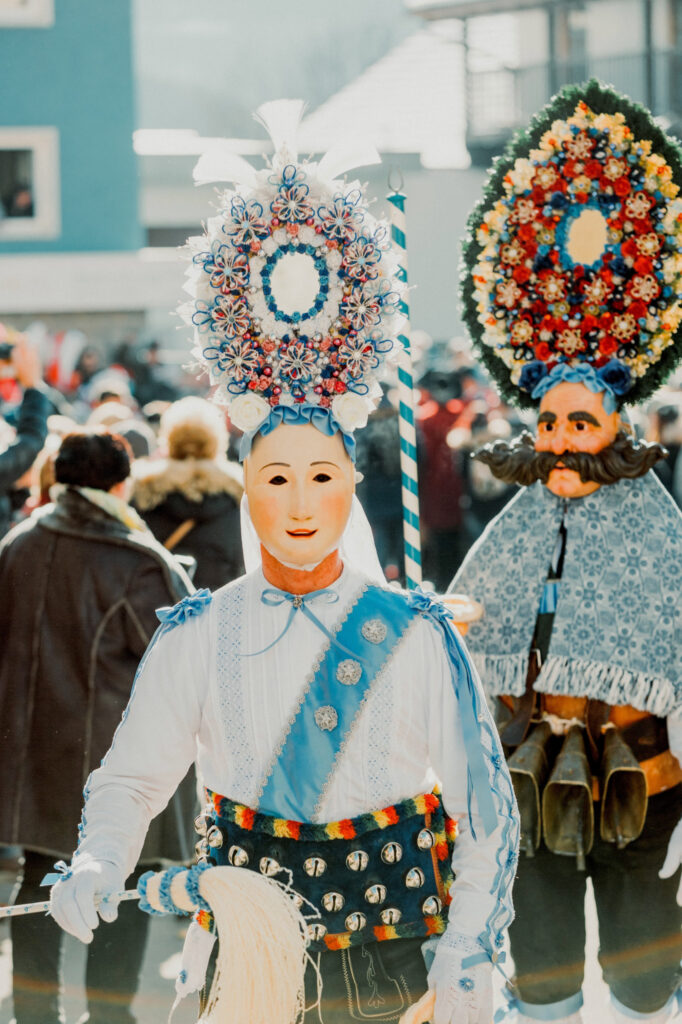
<point>77,76</point>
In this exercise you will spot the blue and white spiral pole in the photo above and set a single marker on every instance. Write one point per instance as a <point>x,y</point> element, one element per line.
<point>408,437</point>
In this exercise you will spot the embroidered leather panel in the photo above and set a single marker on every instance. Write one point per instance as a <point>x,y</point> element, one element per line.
<point>379,876</point>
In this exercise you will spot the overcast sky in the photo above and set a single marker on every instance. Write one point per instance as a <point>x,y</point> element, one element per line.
<point>207,65</point>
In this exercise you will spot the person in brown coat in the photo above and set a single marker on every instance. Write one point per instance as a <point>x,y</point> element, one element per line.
<point>79,584</point>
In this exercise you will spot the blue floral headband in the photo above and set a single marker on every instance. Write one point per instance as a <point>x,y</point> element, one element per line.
<point>614,379</point>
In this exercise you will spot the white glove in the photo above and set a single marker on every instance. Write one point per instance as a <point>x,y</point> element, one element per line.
<point>91,888</point>
<point>464,995</point>
<point>673,858</point>
<point>195,956</point>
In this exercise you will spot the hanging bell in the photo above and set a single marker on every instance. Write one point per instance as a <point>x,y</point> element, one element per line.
<point>357,860</point>
<point>356,921</point>
<point>390,915</point>
<point>529,768</point>
<point>214,837</point>
<point>425,839</point>
<point>202,849</point>
<point>237,857</point>
<point>316,932</point>
<point>375,894</point>
<point>333,902</point>
<point>624,792</point>
<point>314,866</point>
<point>415,878</point>
<point>269,867</point>
<point>567,802</point>
<point>201,823</point>
<point>431,906</point>
<point>391,853</point>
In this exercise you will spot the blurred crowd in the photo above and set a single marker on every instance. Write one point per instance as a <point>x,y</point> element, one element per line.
<point>130,393</point>
<point>120,493</point>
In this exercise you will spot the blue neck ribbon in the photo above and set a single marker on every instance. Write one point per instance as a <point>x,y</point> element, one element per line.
<point>272,598</point>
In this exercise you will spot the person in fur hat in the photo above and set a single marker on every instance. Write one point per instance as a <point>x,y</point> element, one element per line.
<point>190,499</point>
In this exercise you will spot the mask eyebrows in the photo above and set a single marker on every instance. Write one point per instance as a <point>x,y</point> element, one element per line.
<point>547,417</point>
<point>268,464</point>
<point>586,417</point>
<point>325,462</point>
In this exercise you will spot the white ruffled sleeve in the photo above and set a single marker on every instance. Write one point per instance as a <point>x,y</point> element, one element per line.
<point>152,748</point>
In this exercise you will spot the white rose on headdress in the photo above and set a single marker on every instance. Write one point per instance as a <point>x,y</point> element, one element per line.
<point>351,411</point>
<point>247,412</point>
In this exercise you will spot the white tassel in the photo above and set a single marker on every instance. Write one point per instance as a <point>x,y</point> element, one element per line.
<point>262,954</point>
<point>220,163</point>
<point>281,120</point>
<point>341,158</point>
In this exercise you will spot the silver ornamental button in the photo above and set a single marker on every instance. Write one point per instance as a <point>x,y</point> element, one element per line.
<point>237,857</point>
<point>316,932</point>
<point>391,915</point>
<point>314,866</point>
<point>414,879</point>
<point>425,839</point>
<point>214,837</point>
<point>326,718</point>
<point>357,860</point>
<point>268,866</point>
<point>356,921</point>
<point>374,630</point>
<point>348,672</point>
<point>202,849</point>
<point>375,894</point>
<point>200,825</point>
<point>431,906</point>
<point>332,902</point>
<point>391,853</point>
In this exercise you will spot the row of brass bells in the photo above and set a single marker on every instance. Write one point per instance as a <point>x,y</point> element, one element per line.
<point>202,849</point>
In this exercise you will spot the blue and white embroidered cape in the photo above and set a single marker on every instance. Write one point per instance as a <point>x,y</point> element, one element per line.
<point>617,633</point>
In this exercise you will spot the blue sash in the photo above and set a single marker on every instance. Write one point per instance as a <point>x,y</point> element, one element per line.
<point>330,705</point>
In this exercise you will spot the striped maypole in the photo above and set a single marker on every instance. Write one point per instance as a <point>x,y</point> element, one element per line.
<point>408,437</point>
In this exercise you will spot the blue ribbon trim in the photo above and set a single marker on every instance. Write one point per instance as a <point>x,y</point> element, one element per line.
<point>306,760</point>
<point>468,699</point>
<point>322,419</point>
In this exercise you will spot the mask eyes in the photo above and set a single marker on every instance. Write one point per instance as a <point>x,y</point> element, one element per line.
<point>580,425</point>
<point>277,480</point>
<point>321,478</point>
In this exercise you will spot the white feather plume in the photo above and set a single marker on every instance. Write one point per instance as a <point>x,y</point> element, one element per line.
<point>221,163</point>
<point>346,156</point>
<point>281,120</point>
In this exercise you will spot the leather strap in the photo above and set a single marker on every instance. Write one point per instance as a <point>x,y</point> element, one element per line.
<point>179,533</point>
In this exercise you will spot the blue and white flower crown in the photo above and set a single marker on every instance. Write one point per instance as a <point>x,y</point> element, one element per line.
<point>295,291</point>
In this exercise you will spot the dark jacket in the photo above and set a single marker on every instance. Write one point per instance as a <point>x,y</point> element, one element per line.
<point>168,492</point>
<point>78,593</point>
<point>31,427</point>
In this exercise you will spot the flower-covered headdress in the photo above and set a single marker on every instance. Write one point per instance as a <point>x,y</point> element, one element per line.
<point>295,290</point>
<point>572,267</point>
